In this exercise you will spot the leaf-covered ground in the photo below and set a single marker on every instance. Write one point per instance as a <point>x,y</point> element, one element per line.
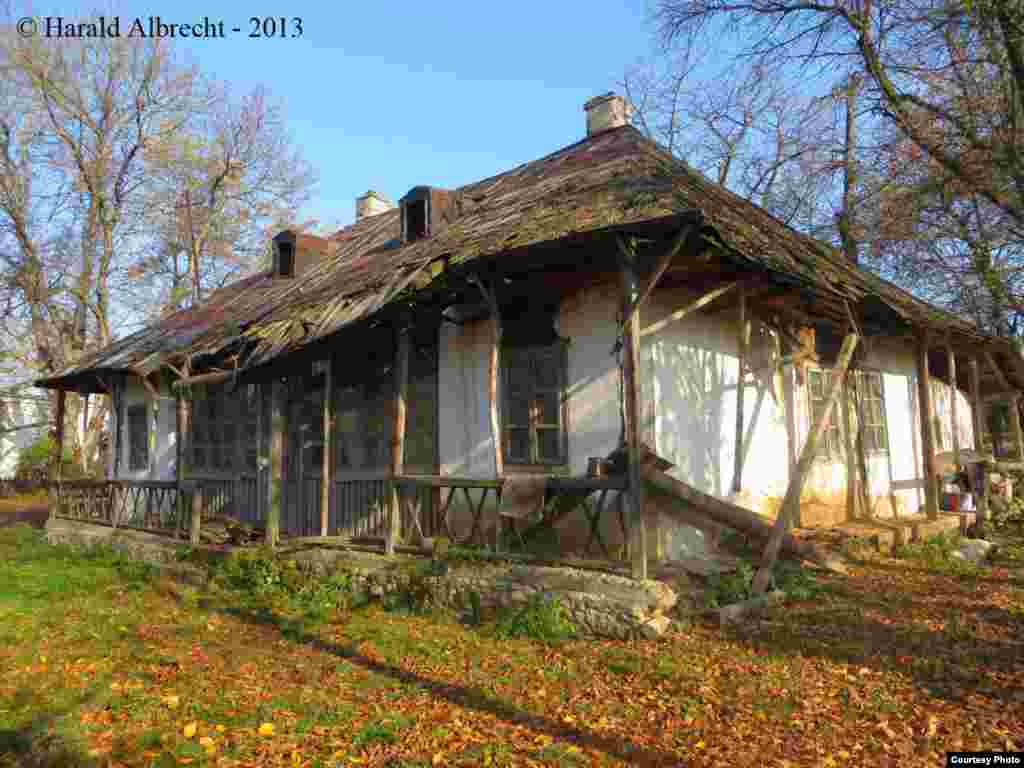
<point>104,665</point>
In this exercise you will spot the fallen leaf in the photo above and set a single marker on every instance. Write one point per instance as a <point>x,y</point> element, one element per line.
<point>267,729</point>
<point>189,730</point>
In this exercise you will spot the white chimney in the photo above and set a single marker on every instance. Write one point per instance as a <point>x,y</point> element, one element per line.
<point>371,204</point>
<point>606,112</point>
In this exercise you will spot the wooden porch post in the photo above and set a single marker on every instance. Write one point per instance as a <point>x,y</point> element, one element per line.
<point>632,406</point>
<point>743,345</point>
<point>276,482</point>
<point>927,414</point>
<point>1015,424</point>
<point>398,433</point>
<point>58,462</point>
<point>327,471</point>
<point>182,468</point>
<point>953,415</point>
<point>977,419</point>
<point>796,483</point>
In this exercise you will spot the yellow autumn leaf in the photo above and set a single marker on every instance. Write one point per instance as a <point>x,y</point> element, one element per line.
<point>220,729</point>
<point>267,729</point>
<point>700,744</point>
<point>296,757</point>
<point>207,743</point>
<point>172,702</point>
<point>189,730</point>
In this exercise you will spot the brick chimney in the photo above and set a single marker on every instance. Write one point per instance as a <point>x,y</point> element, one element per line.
<point>606,112</point>
<point>371,204</point>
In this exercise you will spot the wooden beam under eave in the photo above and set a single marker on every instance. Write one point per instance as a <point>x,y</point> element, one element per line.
<point>398,419</point>
<point>327,469</point>
<point>996,370</point>
<point>645,290</point>
<point>275,486</point>
<point>927,417</point>
<point>743,349</point>
<point>693,306</point>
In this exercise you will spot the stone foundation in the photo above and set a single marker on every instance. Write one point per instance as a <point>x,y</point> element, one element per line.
<point>599,604</point>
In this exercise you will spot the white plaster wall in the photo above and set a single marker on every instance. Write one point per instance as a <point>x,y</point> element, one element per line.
<point>162,423</point>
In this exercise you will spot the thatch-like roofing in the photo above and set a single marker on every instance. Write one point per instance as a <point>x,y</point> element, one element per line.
<point>608,182</point>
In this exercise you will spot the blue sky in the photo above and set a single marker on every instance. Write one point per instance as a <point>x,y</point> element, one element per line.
<point>388,95</point>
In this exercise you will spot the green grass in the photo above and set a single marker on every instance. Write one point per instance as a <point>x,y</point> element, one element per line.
<point>105,661</point>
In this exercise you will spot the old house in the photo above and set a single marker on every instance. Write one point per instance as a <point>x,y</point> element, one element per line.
<point>468,345</point>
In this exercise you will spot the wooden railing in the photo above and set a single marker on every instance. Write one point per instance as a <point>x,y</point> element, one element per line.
<point>142,505</point>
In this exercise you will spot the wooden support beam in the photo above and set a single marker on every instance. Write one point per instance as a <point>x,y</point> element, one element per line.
<point>743,350</point>
<point>204,378</point>
<point>184,450</point>
<point>493,372</point>
<point>997,371</point>
<point>632,405</point>
<point>953,406</point>
<point>927,416</point>
<point>807,454</point>
<point>57,467</point>
<point>196,520</point>
<point>978,420</point>
<point>659,268</point>
<point>852,492</point>
<point>1015,425</point>
<point>679,314</point>
<point>398,434</point>
<point>327,470</point>
<point>275,484</point>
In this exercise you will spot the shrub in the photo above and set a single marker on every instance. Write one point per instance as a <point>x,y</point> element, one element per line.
<point>543,618</point>
<point>723,589</point>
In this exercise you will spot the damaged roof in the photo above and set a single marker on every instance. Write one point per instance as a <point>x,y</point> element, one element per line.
<point>612,179</point>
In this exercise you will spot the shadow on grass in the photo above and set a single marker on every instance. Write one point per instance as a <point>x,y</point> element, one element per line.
<point>462,695</point>
<point>34,745</point>
<point>952,663</point>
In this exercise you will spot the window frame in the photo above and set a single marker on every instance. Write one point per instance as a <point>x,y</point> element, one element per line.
<point>533,459</point>
<point>138,444</point>
<point>854,389</point>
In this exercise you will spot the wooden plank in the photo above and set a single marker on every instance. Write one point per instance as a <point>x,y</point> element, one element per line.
<point>633,407</point>
<point>398,436</point>
<point>327,467</point>
<point>807,454</point>
<point>927,414</point>
<point>448,481</point>
<point>977,420</point>
<point>275,484</point>
<point>195,523</point>
<point>852,491</point>
<point>493,371</point>
<point>690,308</point>
<point>953,414</point>
<point>743,348</point>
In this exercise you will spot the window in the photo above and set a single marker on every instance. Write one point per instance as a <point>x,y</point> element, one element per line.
<point>415,220</point>
<point>215,430</point>
<point>871,410</point>
<point>865,389</point>
<point>138,437</point>
<point>363,415</point>
<point>533,430</point>
<point>818,385</point>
